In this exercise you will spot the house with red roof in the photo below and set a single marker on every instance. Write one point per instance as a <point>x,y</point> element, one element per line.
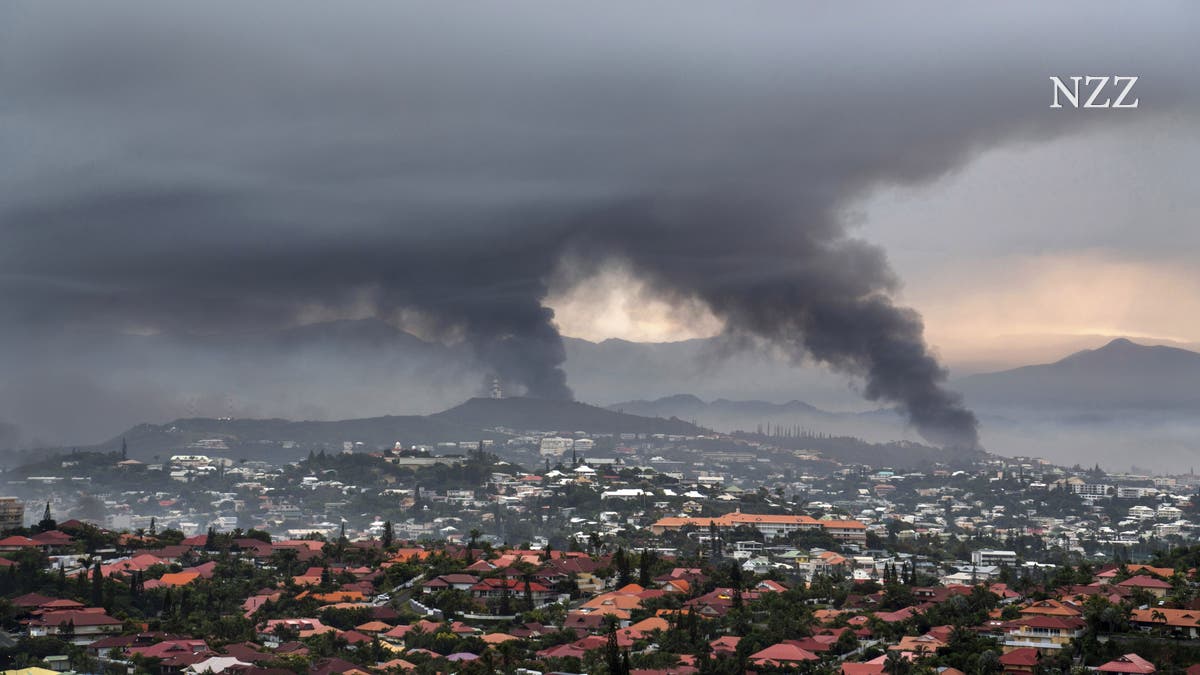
<point>1022,661</point>
<point>459,582</point>
<point>54,541</point>
<point>137,563</point>
<point>59,605</point>
<point>849,668</point>
<point>1046,633</point>
<point>1155,586</point>
<point>514,588</point>
<point>84,626</point>
<point>1129,664</point>
<point>30,601</point>
<point>170,648</point>
<point>15,543</point>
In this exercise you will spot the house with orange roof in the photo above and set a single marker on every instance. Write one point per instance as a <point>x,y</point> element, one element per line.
<point>676,586</point>
<point>306,628</point>
<point>782,655</point>
<point>771,526</point>
<point>498,638</point>
<point>827,615</point>
<point>621,601</point>
<point>339,596</point>
<point>918,644</point>
<point>373,627</point>
<point>1178,622</point>
<point>396,664</point>
<point>1049,608</point>
<point>1110,575</point>
<point>311,577</point>
<point>172,580</point>
<point>649,625</point>
<point>407,555</point>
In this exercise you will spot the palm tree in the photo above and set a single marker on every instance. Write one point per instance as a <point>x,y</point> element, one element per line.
<point>896,663</point>
<point>1158,617</point>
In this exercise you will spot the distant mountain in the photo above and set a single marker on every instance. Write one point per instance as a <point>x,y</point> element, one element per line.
<point>1121,375</point>
<point>282,440</point>
<point>619,370</point>
<point>728,416</point>
<point>688,405</point>
<point>374,431</point>
<point>540,414</point>
<point>84,385</point>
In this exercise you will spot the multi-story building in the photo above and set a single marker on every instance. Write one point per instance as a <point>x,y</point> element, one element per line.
<point>993,557</point>
<point>1134,492</point>
<point>1047,634</point>
<point>555,446</point>
<point>1093,490</point>
<point>12,513</point>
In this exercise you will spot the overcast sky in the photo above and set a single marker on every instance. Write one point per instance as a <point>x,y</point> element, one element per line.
<point>809,174</point>
<point>1024,254</point>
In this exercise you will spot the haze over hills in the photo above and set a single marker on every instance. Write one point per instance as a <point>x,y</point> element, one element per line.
<point>532,413</point>
<point>752,415</point>
<point>1095,404</point>
<point>474,420</point>
<point>94,384</point>
<point>1121,375</point>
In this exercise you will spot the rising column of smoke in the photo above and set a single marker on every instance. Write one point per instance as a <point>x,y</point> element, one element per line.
<point>789,276</point>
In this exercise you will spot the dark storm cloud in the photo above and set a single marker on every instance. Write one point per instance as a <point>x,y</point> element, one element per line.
<point>219,168</point>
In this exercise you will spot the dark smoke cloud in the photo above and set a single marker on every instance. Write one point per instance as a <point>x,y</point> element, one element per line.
<point>223,168</point>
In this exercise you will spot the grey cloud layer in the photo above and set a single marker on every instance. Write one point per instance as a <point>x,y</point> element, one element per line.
<point>221,168</point>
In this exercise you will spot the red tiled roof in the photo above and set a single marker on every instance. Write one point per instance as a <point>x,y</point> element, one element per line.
<point>1024,656</point>
<point>1129,663</point>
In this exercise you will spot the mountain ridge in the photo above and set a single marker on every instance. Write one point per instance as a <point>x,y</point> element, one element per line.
<point>1122,374</point>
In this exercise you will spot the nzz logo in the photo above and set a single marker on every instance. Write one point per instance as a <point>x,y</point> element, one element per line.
<point>1071,94</point>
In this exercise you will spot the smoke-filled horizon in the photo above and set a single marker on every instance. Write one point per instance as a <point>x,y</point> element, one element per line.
<point>221,169</point>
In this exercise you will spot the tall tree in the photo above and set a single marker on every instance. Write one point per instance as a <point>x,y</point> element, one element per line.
<point>646,568</point>
<point>624,572</point>
<point>389,534</point>
<point>97,585</point>
<point>612,652</point>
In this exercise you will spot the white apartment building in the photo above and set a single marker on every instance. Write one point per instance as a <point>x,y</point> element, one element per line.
<point>992,557</point>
